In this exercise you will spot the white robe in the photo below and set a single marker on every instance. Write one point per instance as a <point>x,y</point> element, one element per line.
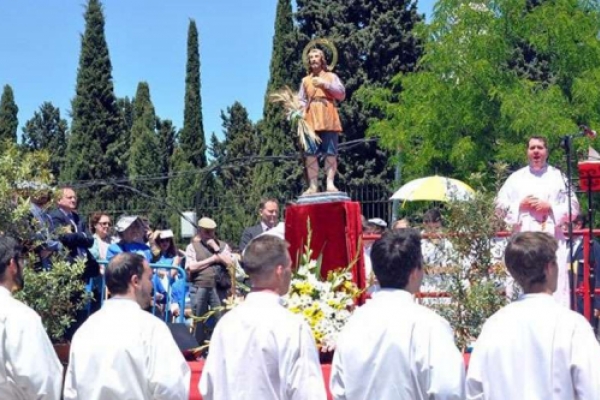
<point>535,349</point>
<point>393,348</point>
<point>260,350</point>
<point>29,367</point>
<point>122,352</point>
<point>548,185</point>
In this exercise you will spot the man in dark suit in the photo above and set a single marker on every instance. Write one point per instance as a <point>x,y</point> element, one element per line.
<point>269,216</point>
<point>73,234</point>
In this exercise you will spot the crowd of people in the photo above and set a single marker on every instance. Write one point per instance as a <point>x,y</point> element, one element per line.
<point>392,347</point>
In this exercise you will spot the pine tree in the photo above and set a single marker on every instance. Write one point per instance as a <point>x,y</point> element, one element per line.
<point>46,130</point>
<point>375,42</point>
<point>240,142</point>
<point>280,178</point>
<point>192,135</point>
<point>234,171</point>
<point>97,124</point>
<point>8,115</point>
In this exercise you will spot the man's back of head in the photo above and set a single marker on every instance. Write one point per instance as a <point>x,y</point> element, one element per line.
<point>268,263</point>
<point>397,260</point>
<point>530,258</point>
<point>128,275</point>
<point>9,256</point>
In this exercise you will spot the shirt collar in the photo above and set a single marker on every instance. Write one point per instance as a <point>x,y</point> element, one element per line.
<point>396,294</point>
<point>121,302</point>
<point>264,297</point>
<point>264,226</point>
<point>539,172</point>
<point>538,296</point>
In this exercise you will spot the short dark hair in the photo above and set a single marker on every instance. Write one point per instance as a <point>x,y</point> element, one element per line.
<point>120,270</point>
<point>264,201</point>
<point>432,215</point>
<point>9,249</point>
<point>527,255</point>
<point>263,254</point>
<point>395,256</point>
<point>540,138</point>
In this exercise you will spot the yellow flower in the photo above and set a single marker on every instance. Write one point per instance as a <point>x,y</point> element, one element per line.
<point>304,288</point>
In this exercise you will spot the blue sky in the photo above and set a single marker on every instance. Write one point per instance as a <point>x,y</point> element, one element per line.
<point>39,52</point>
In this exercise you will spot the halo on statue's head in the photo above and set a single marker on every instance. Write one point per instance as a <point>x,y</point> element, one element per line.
<point>322,42</point>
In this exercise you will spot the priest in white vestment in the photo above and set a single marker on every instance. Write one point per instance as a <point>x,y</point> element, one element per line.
<point>535,198</point>
<point>122,351</point>
<point>29,367</point>
<point>392,348</point>
<point>534,348</point>
<point>260,350</point>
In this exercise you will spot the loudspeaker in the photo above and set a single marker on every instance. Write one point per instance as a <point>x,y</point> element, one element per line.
<point>184,339</point>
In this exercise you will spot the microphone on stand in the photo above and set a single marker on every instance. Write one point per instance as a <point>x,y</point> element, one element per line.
<point>587,131</point>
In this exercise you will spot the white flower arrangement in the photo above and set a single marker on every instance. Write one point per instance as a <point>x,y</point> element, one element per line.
<point>325,304</point>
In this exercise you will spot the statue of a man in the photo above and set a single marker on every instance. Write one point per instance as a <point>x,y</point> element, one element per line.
<point>318,92</point>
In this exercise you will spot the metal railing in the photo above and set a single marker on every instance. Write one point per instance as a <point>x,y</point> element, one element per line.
<point>100,283</point>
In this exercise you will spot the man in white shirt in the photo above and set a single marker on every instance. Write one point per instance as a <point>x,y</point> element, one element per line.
<point>123,352</point>
<point>534,348</point>
<point>260,350</point>
<point>29,367</point>
<point>393,348</point>
<point>535,198</point>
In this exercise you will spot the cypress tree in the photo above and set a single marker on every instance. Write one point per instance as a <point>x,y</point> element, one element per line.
<point>192,135</point>
<point>185,190</point>
<point>145,154</point>
<point>167,139</point>
<point>97,122</point>
<point>46,130</point>
<point>8,115</point>
<point>280,178</point>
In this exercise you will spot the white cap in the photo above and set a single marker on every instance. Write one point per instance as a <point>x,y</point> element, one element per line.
<point>166,234</point>
<point>125,222</point>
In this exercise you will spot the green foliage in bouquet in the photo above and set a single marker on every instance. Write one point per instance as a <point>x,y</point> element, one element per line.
<point>475,276</point>
<point>56,295</point>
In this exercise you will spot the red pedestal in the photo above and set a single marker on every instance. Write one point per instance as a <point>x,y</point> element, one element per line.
<point>336,229</point>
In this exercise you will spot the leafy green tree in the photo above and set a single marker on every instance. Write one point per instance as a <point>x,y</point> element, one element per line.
<point>93,149</point>
<point>280,176</point>
<point>8,115</point>
<point>468,106</point>
<point>46,130</point>
<point>375,41</point>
